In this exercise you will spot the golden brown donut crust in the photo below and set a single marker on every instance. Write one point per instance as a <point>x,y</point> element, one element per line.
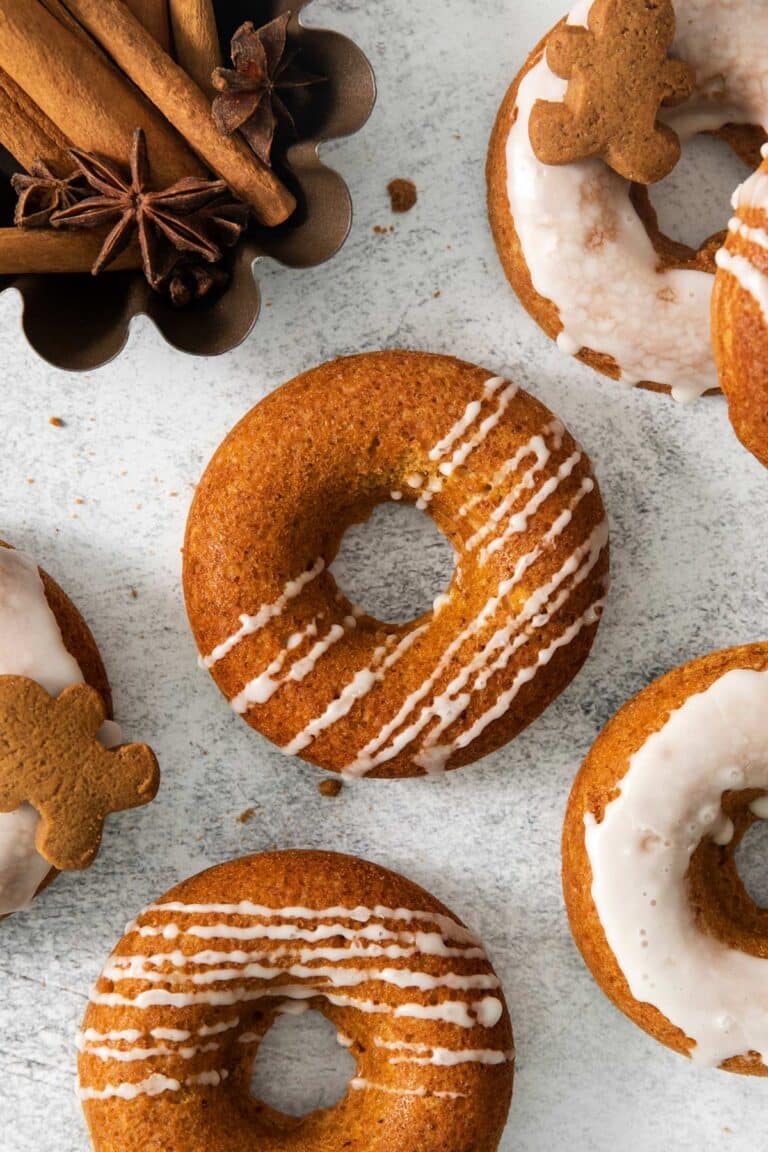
<point>740,341</point>
<point>745,140</point>
<point>202,1118</point>
<point>315,457</point>
<point>723,906</point>
<point>79,642</point>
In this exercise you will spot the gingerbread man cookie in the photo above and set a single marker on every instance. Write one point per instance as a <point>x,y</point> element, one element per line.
<point>619,74</point>
<point>50,758</point>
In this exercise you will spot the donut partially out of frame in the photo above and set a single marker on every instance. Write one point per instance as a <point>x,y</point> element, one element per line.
<point>655,901</point>
<point>581,245</point>
<point>176,1018</point>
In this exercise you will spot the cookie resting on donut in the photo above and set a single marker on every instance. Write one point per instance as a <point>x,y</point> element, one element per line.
<point>177,1016</point>
<point>499,474</point>
<point>581,245</point>
<point>654,897</point>
<point>43,637</point>
<point>740,314</point>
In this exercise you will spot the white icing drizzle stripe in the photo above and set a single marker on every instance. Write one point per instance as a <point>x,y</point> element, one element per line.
<point>212,958</point>
<point>425,1054</point>
<point>431,943</point>
<point>263,687</point>
<point>463,425</point>
<point>357,689</point>
<point>751,279</point>
<point>450,928</point>
<point>360,1084</point>
<point>154,1085</point>
<point>252,624</point>
<point>486,1012</point>
<point>133,1055</point>
<point>375,753</point>
<point>537,447</point>
<point>520,520</point>
<point>757,236</point>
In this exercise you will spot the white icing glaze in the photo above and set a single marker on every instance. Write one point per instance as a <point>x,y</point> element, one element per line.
<point>669,801</point>
<point>751,279</point>
<point>586,248</point>
<point>396,734</point>
<point>30,645</point>
<point>361,1084</point>
<point>182,978</point>
<point>424,1054</point>
<point>249,625</point>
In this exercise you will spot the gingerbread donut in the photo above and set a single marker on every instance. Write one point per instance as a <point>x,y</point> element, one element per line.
<point>44,640</point>
<point>578,240</point>
<point>655,901</point>
<point>740,315</point>
<point>176,1018</point>
<point>503,479</point>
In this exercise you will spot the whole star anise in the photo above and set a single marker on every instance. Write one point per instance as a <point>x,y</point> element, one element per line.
<point>250,100</point>
<point>41,193</point>
<point>196,218</point>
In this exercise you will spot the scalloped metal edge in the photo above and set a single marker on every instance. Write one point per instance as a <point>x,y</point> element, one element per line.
<point>98,312</point>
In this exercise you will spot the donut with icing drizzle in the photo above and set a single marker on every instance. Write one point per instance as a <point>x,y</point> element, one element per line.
<point>740,314</point>
<point>654,897</point>
<point>176,1017</point>
<point>581,245</point>
<point>503,479</point>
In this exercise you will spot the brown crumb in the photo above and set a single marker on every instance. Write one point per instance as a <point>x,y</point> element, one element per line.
<point>247,816</point>
<point>56,421</point>
<point>329,787</point>
<point>436,295</point>
<point>402,195</point>
<point>79,500</point>
<point>134,594</point>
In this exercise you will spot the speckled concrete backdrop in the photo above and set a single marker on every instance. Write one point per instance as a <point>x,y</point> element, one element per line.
<point>102,502</point>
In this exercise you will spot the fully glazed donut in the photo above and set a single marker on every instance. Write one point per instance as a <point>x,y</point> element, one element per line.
<point>740,315</point>
<point>501,477</point>
<point>655,901</point>
<point>177,1016</point>
<point>44,637</point>
<point>581,245</point>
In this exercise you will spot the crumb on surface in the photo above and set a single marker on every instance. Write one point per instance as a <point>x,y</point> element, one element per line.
<point>329,787</point>
<point>134,594</point>
<point>402,194</point>
<point>56,422</point>
<point>246,816</point>
<point>382,229</point>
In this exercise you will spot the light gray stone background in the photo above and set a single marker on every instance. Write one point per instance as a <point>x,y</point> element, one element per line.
<point>102,503</point>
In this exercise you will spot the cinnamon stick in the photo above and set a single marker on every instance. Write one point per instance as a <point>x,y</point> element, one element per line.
<point>153,14</point>
<point>196,40</point>
<point>27,132</point>
<point>43,250</point>
<point>184,104</point>
<point>71,82</point>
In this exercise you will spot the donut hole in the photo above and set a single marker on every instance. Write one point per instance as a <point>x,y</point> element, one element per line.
<point>693,203</point>
<point>752,863</point>
<point>396,564</point>
<point>301,1065</point>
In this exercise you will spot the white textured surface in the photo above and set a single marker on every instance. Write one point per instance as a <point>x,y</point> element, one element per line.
<point>687,507</point>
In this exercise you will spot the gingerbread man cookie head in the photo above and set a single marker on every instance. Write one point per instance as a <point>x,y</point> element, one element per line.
<point>619,74</point>
<point>51,759</point>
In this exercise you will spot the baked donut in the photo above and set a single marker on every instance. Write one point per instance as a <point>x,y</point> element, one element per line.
<point>740,315</point>
<point>655,901</point>
<point>500,476</point>
<point>176,1018</point>
<point>43,638</point>
<point>580,244</point>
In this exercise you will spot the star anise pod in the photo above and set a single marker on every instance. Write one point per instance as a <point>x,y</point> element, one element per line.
<point>189,281</point>
<point>194,217</point>
<point>41,193</point>
<point>250,100</point>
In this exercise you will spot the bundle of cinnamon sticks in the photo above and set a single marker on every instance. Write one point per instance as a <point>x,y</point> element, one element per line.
<point>85,74</point>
